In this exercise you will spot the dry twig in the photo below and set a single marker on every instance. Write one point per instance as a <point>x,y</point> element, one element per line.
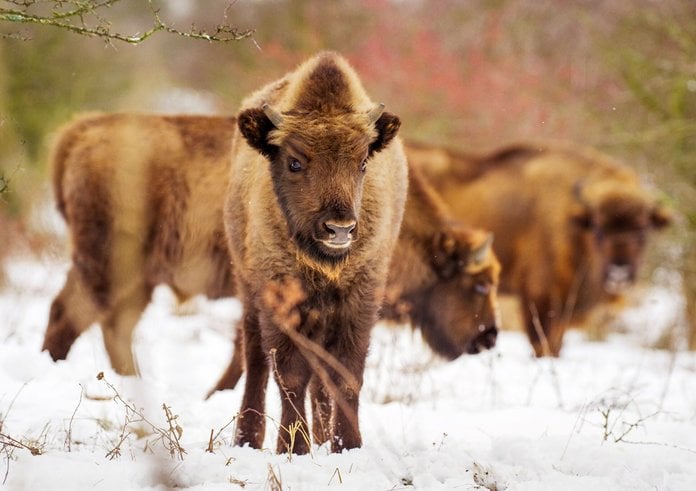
<point>75,16</point>
<point>170,437</point>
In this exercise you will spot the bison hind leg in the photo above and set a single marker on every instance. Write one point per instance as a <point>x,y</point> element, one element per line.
<point>72,312</point>
<point>118,327</point>
<point>235,369</point>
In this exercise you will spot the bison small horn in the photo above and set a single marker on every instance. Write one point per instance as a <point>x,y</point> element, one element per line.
<point>275,117</point>
<point>479,254</point>
<point>375,113</point>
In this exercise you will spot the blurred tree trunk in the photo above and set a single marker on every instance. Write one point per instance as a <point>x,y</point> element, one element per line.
<point>690,295</point>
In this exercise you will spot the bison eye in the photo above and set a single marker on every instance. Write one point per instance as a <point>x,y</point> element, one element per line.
<point>482,288</point>
<point>363,166</point>
<point>294,165</point>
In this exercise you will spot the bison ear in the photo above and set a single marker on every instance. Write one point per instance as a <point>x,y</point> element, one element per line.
<point>660,216</point>
<point>255,126</point>
<point>444,260</point>
<point>387,127</point>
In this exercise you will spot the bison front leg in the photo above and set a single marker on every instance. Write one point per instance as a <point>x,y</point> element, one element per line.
<point>351,354</point>
<point>72,312</point>
<point>292,374</point>
<point>321,411</point>
<point>251,422</point>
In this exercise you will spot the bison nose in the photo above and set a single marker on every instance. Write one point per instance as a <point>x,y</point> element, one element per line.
<point>618,277</point>
<point>486,338</point>
<point>340,233</point>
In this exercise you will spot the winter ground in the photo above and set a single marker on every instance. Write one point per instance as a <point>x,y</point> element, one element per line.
<point>605,416</point>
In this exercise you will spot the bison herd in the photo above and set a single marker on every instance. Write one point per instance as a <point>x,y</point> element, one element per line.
<point>309,208</point>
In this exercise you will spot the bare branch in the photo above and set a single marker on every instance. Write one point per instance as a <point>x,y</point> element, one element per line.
<point>7,440</point>
<point>170,437</point>
<point>73,19</point>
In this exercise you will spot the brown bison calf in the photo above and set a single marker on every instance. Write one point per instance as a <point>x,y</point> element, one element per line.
<point>316,196</point>
<point>142,197</point>
<point>570,225</point>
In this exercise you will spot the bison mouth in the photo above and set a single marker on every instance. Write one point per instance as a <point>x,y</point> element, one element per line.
<point>617,278</point>
<point>323,251</point>
<point>332,250</point>
<point>337,244</point>
<point>331,241</point>
<point>485,340</point>
<point>451,342</point>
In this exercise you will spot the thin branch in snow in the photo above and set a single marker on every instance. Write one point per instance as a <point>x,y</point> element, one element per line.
<point>170,437</point>
<point>68,435</point>
<point>274,482</point>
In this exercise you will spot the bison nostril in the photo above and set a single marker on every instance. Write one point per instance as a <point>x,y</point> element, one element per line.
<point>329,229</point>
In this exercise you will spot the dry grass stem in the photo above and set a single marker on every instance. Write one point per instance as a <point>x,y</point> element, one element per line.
<point>274,482</point>
<point>68,436</point>
<point>170,436</point>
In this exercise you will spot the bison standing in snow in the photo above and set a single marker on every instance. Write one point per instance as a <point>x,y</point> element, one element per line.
<point>316,196</point>
<point>142,198</point>
<point>570,224</point>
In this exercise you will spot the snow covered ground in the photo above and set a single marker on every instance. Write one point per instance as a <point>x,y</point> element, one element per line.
<point>606,416</point>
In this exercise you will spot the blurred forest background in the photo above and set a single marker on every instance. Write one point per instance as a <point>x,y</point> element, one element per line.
<point>619,75</point>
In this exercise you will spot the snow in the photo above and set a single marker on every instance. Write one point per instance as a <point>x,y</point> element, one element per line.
<point>611,415</point>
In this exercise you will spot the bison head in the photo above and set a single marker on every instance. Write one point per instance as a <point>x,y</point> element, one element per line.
<point>616,219</point>
<point>318,162</point>
<point>457,312</point>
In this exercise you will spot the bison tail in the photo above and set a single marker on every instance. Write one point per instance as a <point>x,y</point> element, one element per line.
<point>65,141</point>
<point>59,155</point>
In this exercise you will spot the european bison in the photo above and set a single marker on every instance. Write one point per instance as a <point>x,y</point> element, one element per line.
<point>443,279</point>
<point>142,197</point>
<point>316,196</point>
<point>185,159</point>
<point>570,224</point>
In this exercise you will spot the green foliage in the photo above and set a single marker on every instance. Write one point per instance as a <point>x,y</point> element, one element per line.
<point>48,83</point>
<point>656,61</point>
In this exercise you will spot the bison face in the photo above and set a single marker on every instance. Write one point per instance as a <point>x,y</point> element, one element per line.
<point>458,314</point>
<point>318,164</point>
<point>618,226</point>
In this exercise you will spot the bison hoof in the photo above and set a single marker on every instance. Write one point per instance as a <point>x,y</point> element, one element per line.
<point>484,341</point>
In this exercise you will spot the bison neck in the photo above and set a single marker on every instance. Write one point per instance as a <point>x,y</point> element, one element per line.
<point>411,268</point>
